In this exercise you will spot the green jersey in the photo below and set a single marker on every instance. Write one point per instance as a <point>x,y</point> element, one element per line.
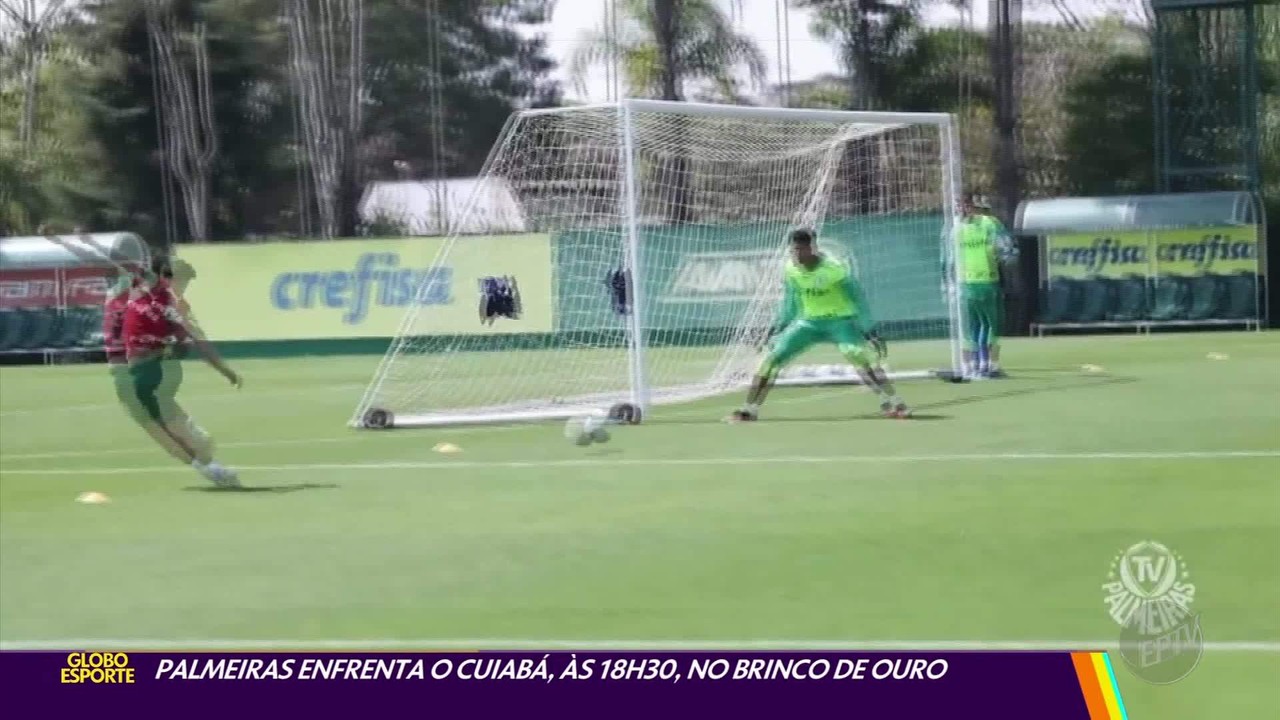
<point>983,244</point>
<point>826,292</point>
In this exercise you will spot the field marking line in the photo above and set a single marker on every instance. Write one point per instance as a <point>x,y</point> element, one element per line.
<point>216,397</point>
<point>353,437</point>
<point>363,436</point>
<point>373,644</point>
<point>643,462</point>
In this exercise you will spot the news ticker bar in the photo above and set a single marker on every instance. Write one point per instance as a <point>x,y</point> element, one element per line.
<point>992,685</point>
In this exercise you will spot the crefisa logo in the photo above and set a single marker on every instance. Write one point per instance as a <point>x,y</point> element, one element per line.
<point>97,668</point>
<point>1149,595</point>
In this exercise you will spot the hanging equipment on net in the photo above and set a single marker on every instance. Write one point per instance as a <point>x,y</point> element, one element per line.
<point>619,284</point>
<point>499,297</point>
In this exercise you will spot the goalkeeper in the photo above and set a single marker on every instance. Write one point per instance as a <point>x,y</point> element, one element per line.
<point>823,302</point>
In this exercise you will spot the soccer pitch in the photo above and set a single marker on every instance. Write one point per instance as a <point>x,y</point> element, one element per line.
<point>990,521</point>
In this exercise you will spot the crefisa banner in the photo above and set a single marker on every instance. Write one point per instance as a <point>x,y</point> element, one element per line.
<point>990,685</point>
<point>1152,253</point>
<point>363,288</point>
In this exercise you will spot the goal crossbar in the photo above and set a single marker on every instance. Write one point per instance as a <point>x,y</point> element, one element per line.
<point>672,107</point>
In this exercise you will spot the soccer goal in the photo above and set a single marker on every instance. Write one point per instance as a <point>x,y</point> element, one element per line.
<point>650,266</point>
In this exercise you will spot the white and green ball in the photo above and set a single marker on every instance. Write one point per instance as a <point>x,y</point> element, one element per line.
<point>587,429</point>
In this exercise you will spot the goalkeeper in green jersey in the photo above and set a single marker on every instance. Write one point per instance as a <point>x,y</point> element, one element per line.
<point>823,302</point>
<point>984,244</point>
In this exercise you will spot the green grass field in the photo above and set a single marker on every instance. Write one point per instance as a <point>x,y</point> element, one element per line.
<point>991,519</point>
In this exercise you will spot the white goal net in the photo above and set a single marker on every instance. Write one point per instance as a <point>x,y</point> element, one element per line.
<point>652,262</point>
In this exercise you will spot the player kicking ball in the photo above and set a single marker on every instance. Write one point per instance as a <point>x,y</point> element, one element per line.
<point>823,301</point>
<point>154,330</point>
<point>127,284</point>
<point>155,410</point>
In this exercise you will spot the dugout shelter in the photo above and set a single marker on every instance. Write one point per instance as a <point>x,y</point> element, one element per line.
<point>1146,262</point>
<point>51,300</point>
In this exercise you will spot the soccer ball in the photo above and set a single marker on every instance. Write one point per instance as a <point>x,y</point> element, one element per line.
<point>586,429</point>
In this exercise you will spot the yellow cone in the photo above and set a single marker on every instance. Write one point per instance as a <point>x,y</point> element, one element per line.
<point>92,498</point>
<point>447,448</point>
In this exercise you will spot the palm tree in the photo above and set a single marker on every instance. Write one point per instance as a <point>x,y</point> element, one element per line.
<point>663,45</point>
<point>659,46</point>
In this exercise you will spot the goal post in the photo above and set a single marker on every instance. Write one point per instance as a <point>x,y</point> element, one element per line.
<point>648,266</point>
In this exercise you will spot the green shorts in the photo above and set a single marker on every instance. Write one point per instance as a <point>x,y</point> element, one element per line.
<point>122,379</point>
<point>846,333</point>
<point>154,384</point>
<point>983,314</point>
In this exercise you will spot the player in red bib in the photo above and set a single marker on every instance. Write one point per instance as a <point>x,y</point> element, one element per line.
<point>155,335</point>
<point>126,282</point>
<point>143,336</point>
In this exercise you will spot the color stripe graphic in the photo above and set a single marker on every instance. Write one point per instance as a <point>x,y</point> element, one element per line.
<point>1098,684</point>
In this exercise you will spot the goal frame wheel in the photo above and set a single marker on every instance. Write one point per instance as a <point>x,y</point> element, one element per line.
<point>625,414</point>
<point>379,419</point>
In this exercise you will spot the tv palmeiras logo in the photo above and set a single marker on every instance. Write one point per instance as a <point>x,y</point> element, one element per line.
<point>1149,593</point>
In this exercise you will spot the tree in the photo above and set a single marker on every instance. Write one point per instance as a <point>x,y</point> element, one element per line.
<point>249,181</point>
<point>1108,147</point>
<point>188,131</point>
<point>442,78</point>
<point>49,162</point>
<point>664,46</point>
<point>437,81</point>
<point>35,21</point>
<point>929,70</point>
<point>326,48</point>
<point>871,35</point>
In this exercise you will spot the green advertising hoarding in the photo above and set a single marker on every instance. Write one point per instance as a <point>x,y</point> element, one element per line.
<point>700,277</point>
<point>363,288</point>
<point>1185,252</point>
<point>696,278</point>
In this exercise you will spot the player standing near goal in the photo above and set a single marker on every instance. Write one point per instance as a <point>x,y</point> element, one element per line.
<point>823,301</point>
<point>984,244</point>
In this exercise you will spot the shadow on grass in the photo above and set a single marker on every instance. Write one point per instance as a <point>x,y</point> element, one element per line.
<point>1028,382</point>
<point>1061,383</point>
<point>277,489</point>
<point>812,418</point>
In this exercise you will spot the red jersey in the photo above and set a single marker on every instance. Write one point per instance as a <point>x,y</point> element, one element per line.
<point>113,318</point>
<point>151,321</point>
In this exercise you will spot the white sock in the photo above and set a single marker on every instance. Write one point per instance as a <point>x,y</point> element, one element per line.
<point>753,408</point>
<point>199,432</point>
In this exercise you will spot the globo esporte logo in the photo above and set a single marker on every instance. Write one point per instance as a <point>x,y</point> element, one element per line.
<point>97,668</point>
<point>377,280</point>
